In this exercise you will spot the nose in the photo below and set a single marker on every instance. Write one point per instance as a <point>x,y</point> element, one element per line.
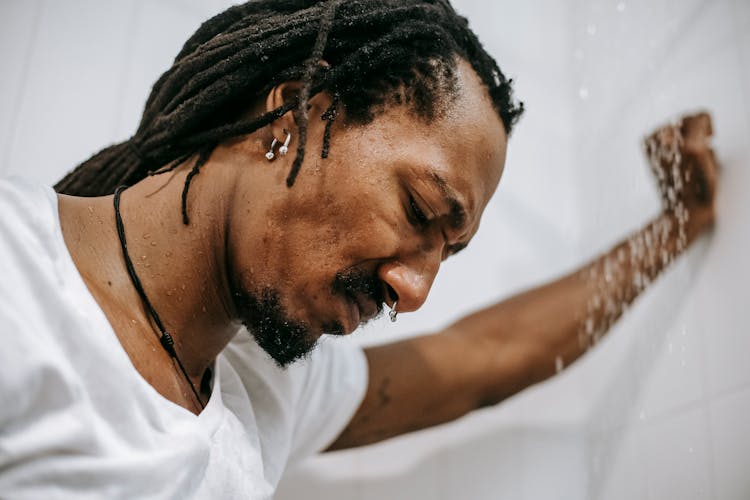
<point>411,280</point>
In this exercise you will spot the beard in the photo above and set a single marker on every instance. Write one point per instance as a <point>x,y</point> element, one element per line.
<point>287,340</point>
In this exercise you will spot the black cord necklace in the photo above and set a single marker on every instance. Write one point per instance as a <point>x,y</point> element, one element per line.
<point>165,338</point>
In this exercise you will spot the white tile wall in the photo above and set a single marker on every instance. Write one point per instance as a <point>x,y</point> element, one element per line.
<point>659,409</point>
<point>71,88</point>
<point>16,43</point>
<point>676,456</point>
<point>616,467</point>
<point>730,445</point>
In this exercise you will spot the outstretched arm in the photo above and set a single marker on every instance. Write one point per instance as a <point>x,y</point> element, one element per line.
<point>496,352</point>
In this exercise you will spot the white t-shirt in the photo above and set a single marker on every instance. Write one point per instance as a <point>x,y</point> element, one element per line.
<point>77,421</point>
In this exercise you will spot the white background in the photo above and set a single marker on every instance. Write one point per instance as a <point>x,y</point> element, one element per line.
<point>659,409</point>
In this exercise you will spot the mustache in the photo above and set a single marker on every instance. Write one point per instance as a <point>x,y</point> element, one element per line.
<point>356,282</point>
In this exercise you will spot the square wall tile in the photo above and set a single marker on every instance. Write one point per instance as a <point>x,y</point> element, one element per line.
<point>159,32</point>
<point>71,96</point>
<point>616,470</point>
<point>721,291</point>
<point>673,367</point>
<point>555,465</point>
<point>674,451</point>
<point>417,482</point>
<point>741,14</point>
<point>486,467</point>
<point>730,445</point>
<point>18,23</point>
<point>313,479</point>
<point>743,41</point>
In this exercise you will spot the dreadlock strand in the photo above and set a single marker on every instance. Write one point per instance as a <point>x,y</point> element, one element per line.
<point>312,65</point>
<point>199,162</point>
<point>329,116</point>
<point>171,166</point>
<point>240,128</point>
<point>380,52</point>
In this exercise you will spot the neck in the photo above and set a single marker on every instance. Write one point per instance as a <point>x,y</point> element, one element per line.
<point>182,268</point>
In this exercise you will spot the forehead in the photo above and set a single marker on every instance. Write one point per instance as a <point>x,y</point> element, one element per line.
<point>463,151</point>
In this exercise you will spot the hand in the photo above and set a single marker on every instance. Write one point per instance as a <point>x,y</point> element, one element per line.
<point>686,170</point>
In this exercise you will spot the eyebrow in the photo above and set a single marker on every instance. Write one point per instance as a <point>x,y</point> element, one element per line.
<point>457,212</point>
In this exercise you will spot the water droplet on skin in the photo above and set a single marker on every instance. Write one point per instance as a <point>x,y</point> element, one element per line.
<point>153,243</point>
<point>146,236</point>
<point>559,365</point>
<point>638,280</point>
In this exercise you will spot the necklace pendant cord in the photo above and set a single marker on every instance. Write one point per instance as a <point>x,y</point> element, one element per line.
<point>165,339</point>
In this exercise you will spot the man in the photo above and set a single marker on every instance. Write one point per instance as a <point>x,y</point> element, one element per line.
<point>311,162</point>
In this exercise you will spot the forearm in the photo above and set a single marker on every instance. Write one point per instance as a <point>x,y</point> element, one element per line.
<point>549,327</point>
<point>502,349</point>
<point>496,352</point>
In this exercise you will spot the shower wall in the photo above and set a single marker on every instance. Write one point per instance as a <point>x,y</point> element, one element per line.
<point>658,409</point>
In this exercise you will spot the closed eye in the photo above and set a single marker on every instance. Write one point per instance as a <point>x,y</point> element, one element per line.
<point>416,215</point>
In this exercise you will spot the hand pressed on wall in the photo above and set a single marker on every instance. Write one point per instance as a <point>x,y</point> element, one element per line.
<point>686,170</point>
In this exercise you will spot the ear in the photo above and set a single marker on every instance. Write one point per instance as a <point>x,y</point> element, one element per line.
<point>285,92</point>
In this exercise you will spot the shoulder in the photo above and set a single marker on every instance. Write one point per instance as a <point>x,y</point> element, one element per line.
<point>28,226</point>
<point>31,292</point>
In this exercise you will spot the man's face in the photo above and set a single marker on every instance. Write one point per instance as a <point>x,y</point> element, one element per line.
<point>369,225</point>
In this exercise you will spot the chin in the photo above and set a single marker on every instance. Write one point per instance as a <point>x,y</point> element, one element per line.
<point>285,339</point>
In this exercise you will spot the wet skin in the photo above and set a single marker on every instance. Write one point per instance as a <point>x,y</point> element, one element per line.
<point>393,200</point>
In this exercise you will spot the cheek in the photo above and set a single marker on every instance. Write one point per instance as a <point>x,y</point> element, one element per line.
<point>302,248</point>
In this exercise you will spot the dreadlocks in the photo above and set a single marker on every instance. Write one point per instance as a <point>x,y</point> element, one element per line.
<point>376,52</point>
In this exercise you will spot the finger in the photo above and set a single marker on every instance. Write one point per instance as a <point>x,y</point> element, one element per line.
<point>696,130</point>
<point>702,174</point>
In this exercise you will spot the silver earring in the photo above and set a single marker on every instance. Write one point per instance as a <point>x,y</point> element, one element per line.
<point>270,155</point>
<point>393,312</point>
<point>283,150</point>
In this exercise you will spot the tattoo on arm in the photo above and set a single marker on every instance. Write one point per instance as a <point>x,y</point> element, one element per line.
<point>383,394</point>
